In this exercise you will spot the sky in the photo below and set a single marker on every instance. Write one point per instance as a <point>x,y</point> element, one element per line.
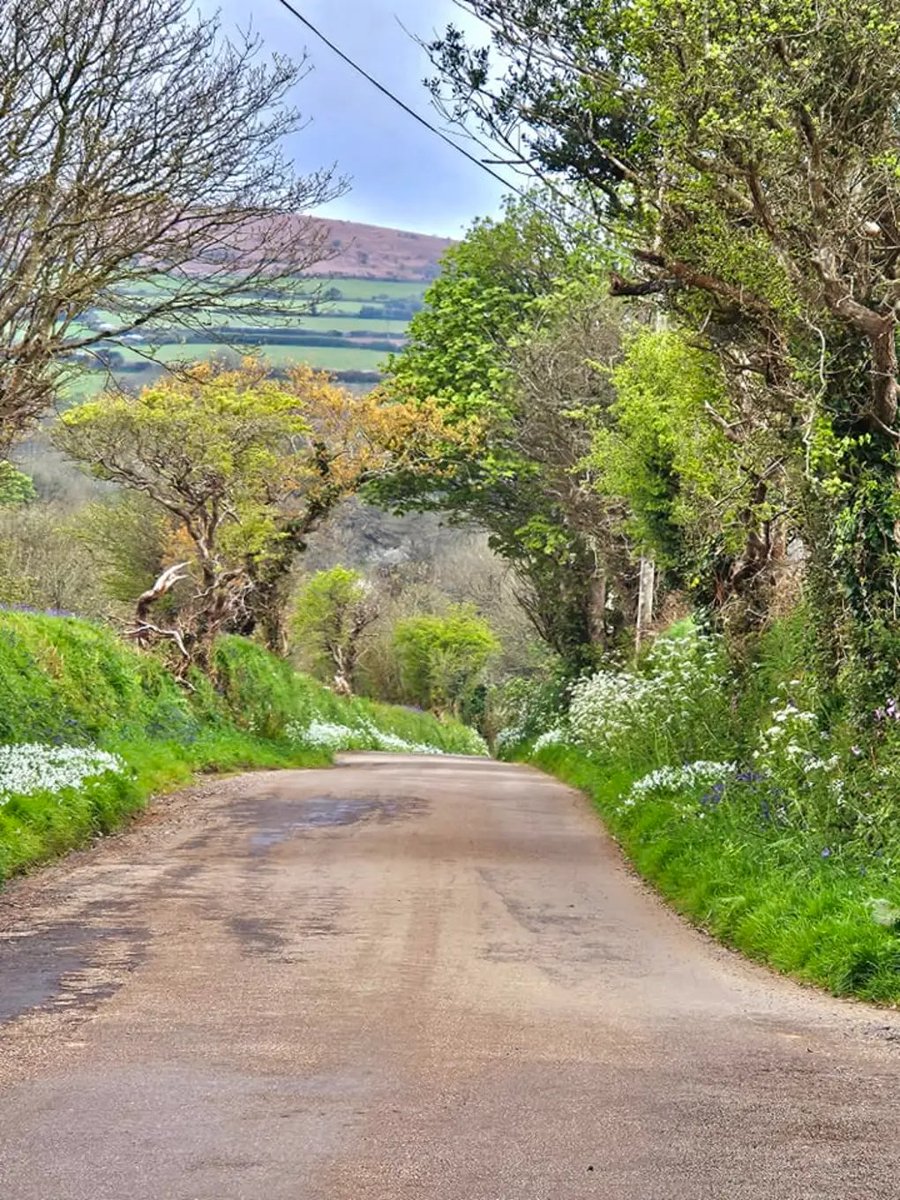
<point>401,175</point>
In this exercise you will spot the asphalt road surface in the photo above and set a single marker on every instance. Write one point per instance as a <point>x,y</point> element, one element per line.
<point>401,977</point>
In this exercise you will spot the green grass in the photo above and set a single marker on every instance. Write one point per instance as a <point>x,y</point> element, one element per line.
<point>346,308</point>
<point>372,327</point>
<point>375,289</point>
<point>765,891</point>
<point>66,681</point>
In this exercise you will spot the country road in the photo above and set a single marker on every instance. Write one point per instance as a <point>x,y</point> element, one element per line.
<point>402,977</point>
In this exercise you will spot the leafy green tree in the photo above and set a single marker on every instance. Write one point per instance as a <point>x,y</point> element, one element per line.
<point>334,610</point>
<point>223,453</point>
<point>246,467</point>
<point>748,155</point>
<point>512,341</point>
<point>443,658</point>
<point>701,496</point>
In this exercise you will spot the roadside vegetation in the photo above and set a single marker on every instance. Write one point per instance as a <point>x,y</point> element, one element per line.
<point>759,821</point>
<point>90,728</point>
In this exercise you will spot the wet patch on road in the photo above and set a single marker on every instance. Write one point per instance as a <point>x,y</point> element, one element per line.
<point>258,936</point>
<point>278,819</point>
<point>70,965</point>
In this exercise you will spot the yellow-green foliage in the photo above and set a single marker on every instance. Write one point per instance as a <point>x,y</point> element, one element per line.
<point>206,443</point>
<point>334,608</point>
<point>663,455</point>
<point>442,658</point>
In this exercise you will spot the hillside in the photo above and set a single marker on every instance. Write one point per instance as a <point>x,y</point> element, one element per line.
<point>357,308</point>
<point>373,252</point>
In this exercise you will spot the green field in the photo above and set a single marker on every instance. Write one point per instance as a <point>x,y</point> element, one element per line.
<point>332,318</point>
<point>373,327</point>
<point>373,289</point>
<point>324,358</point>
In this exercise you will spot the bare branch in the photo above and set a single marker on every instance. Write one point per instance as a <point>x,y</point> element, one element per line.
<point>142,182</point>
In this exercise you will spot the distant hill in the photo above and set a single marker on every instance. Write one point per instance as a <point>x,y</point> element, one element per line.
<point>358,306</point>
<point>371,252</point>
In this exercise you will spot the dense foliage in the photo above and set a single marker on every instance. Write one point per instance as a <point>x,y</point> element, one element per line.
<point>442,658</point>
<point>514,328</point>
<point>746,158</point>
<point>335,610</point>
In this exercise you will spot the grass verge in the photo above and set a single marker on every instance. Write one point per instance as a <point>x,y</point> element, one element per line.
<point>66,683</point>
<point>776,897</point>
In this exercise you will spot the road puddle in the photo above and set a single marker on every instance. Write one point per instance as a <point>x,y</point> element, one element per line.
<point>279,819</point>
<point>64,966</point>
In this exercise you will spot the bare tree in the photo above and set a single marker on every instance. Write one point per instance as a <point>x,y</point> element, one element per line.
<point>142,183</point>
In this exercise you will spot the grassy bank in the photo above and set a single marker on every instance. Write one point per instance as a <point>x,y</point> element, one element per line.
<point>770,897</point>
<point>90,728</point>
<point>754,818</point>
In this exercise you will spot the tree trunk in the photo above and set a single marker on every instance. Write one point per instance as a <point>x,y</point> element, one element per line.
<point>647,581</point>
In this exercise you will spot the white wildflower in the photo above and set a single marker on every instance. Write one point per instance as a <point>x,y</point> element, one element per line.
<point>883,912</point>
<point>553,737</point>
<point>30,767</point>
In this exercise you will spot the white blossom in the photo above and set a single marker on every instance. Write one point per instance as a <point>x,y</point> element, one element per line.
<point>331,735</point>
<point>28,767</point>
<point>686,777</point>
<point>552,737</point>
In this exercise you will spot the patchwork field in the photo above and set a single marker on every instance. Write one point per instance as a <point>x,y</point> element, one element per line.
<point>345,323</point>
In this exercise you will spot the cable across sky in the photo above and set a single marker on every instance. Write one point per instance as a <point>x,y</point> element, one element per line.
<point>385,91</point>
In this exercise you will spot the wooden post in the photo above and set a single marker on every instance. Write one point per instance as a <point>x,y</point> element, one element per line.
<point>646,583</point>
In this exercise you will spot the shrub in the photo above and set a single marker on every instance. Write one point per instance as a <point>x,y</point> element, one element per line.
<point>442,659</point>
<point>523,709</point>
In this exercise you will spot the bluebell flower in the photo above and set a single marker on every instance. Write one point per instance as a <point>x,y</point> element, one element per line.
<point>749,777</point>
<point>714,795</point>
<point>826,853</point>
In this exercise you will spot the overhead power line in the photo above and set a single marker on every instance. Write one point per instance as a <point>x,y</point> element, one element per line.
<point>396,99</point>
